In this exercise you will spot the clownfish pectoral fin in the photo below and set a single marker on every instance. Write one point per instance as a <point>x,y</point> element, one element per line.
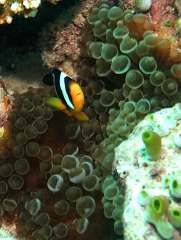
<point>54,102</point>
<point>48,79</point>
<point>81,116</point>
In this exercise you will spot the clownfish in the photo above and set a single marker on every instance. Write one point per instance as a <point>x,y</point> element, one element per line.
<point>69,96</point>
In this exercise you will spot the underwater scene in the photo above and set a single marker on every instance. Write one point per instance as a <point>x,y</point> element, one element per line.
<point>90,120</point>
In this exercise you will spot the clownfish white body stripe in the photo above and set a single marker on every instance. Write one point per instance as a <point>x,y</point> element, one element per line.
<point>63,88</point>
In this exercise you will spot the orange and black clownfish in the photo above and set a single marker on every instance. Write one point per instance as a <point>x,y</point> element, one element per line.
<point>70,98</point>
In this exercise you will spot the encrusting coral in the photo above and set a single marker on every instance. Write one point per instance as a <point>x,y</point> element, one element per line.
<point>155,185</point>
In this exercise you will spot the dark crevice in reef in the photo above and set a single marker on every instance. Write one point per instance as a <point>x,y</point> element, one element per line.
<point>23,32</point>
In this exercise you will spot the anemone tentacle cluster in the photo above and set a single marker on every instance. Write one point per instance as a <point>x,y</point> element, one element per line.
<point>124,50</point>
<point>47,180</point>
<point>127,72</point>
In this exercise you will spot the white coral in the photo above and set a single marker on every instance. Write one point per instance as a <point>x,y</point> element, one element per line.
<point>31,4</point>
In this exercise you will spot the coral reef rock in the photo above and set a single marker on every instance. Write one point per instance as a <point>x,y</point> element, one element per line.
<point>139,174</point>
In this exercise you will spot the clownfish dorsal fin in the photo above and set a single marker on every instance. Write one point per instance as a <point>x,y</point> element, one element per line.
<point>48,79</point>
